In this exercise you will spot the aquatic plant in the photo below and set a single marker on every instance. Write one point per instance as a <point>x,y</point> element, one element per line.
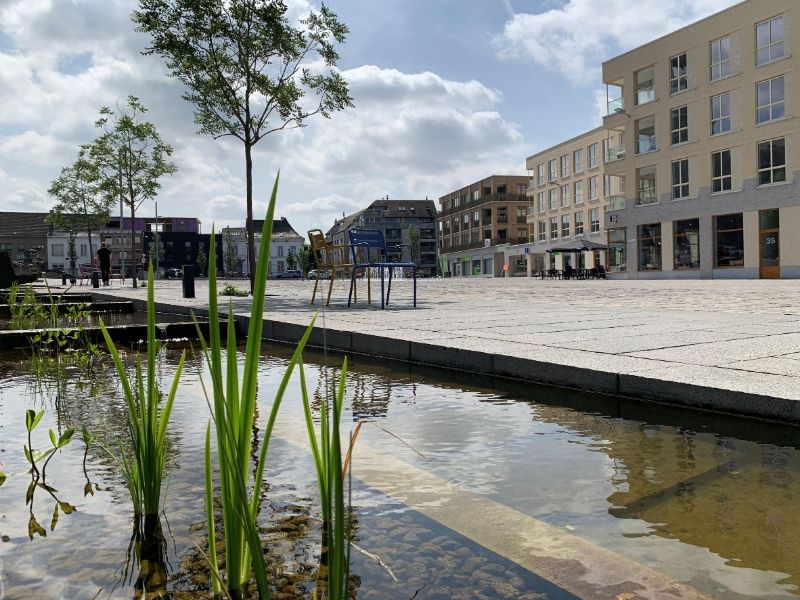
<point>232,290</point>
<point>233,408</point>
<point>148,417</point>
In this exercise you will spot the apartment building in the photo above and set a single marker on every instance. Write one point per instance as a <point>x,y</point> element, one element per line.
<point>567,195</point>
<point>483,226</point>
<point>710,148</point>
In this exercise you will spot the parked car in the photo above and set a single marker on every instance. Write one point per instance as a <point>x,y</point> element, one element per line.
<point>319,274</point>
<point>173,272</point>
<point>289,274</point>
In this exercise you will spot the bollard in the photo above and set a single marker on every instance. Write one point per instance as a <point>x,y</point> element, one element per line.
<point>63,278</point>
<point>95,279</point>
<point>188,281</point>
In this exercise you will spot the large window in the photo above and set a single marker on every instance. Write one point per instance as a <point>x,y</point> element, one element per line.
<point>542,231</point>
<point>565,195</point>
<point>540,202</point>
<point>680,178</point>
<point>594,219</point>
<point>592,155</point>
<point>720,113</point>
<point>678,80</point>
<point>645,85</point>
<point>564,226</point>
<point>579,191</point>
<point>540,173</point>
<point>721,171</point>
<point>553,198</point>
<point>769,40</point>
<point>770,100</point>
<point>565,165</point>
<point>594,183</point>
<point>772,162</point>
<point>553,170</point>
<point>729,240</point>
<point>579,222</point>
<point>686,245</point>
<point>679,125</point>
<point>577,157</point>
<point>649,239</point>
<point>617,253</point>
<point>720,58</point>
<point>606,185</point>
<point>55,249</point>
<point>553,228</point>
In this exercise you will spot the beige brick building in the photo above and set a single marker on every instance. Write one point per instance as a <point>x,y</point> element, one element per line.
<point>709,148</point>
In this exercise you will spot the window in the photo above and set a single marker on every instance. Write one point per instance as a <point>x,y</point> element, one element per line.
<point>646,135</point>
<point>579,223</point>
<point>553,228</point>
<point>521,214</point>
<point>540,201</point>
<point>577,158</point>
<point>7,248</point>
<point>606,185</point>
<point>617,250</point>
<point>686,245</point>
<point>678,81</point>
<point>769,40</point>
<point>645,85</point>
<point>771,162</point>
<point>579,192</point>
<point>55,249</point>
<point>679,125</point>
<point>720,58</point>
<point>647,186</point>
<point>553,198</point>
<point>594,219</point>
<point>553,170</point>
<point>565,165</point>
<point>564,225</point>
<point>565,195</point>
<point>721,171</point>
<point>592,155</point>
<point>649,247</point>
<point>456,202</point>
<point>594,182</point>
<point>729,240</point>
<point>542,231</point>
<point>769,100</point>
<point>476,195</point>
<point>280,250</point>
<point>476,218</point>
<point>84,249</point>
<point>540,173</point>
<point>680,178</point>
<point>720,113</point>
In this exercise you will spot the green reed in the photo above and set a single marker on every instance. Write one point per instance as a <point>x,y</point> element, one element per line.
<point>233,404</point>
<point>148,417</point>
<point>327,454</point>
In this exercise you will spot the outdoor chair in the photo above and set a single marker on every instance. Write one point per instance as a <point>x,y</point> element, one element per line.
<point>327,257</point>
<point>369,251</point>
<point>85,273</point>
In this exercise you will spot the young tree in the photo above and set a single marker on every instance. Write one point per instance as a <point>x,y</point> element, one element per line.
<point>245,69</point>
<point>229,255</point>
<point>156,249</point>
<point>412,239</point>
<point>80,200</point>
<point>202,261</point>
<point>291,259</point>
<point>132,159</point>
<point>304,258</point>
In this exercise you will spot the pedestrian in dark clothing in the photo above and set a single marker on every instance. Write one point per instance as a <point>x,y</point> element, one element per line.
<point>104,256</point>
<point>568,270</point>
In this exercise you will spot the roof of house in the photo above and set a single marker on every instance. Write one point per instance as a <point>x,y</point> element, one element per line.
<point>392,208</point>
<point>23,224</point>
<point>280,228</point>
<point>343,224</point>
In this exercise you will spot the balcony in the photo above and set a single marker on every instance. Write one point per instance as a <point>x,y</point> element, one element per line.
<point>617,202</point>
<point>645,95</point>
<point>615,153</point>
<point>647,195</point>
<point>615,106</point>
<point>645,144</point>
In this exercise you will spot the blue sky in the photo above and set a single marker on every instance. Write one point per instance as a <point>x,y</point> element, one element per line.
<point>447,92</point>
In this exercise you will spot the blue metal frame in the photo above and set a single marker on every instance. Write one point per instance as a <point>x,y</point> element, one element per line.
<point>372,240</point>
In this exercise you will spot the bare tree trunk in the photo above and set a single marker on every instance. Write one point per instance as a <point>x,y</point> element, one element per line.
<point>133,245</point>
<point>251,237</point>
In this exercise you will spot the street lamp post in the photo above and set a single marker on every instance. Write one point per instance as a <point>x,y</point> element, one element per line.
<point>158,241</point>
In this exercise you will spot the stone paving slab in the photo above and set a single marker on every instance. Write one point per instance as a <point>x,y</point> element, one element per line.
<point>727,345</point>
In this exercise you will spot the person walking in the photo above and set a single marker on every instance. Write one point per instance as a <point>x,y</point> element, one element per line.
<point>104,256</point>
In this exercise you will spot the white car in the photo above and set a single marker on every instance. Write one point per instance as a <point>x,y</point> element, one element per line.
<point>314,274</point>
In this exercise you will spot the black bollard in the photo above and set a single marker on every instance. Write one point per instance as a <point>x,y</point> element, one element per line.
<point>63,278</point>
<point>188,281</point>
<point>95,279</point>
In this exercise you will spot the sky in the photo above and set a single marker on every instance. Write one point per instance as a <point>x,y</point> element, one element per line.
<point>446,92</point>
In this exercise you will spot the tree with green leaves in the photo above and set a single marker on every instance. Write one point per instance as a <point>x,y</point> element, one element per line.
<point>202,261</point>
<point>132,159</point>
<point>291,259</point>
<point>412,239</point>
<point>156,249</point>
<point>80,200</point>
<point>229,254</point>
<point>246,69</point>
<point>304,258</point>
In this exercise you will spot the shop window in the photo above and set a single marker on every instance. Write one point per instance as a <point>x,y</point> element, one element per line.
<point>729,240</point>
<point>686,245</point>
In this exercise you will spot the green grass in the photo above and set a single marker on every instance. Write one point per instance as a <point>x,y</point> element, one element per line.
<point>148,417</point>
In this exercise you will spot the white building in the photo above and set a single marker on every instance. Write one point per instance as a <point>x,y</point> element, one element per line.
<point>58,250</point>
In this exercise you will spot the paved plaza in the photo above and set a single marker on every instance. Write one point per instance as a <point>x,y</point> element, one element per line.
<point>728,345</point>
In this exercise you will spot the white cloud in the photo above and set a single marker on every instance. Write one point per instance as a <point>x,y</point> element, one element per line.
<point>575,38</point>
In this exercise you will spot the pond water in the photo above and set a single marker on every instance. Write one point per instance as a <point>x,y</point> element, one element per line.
<point>111,318</point>
<point>705,500</point>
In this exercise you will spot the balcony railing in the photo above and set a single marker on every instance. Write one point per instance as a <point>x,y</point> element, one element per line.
<point>647,195</point>
<point>616,105</point>
<point>618,202</point>
<point>615,153</point>
<point>645,144</point>
<point>645,95</point>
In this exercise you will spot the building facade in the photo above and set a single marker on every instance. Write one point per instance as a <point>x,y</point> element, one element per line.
<point>710,148</point>
<point>23,236</point>
<point>479,223</point>
<point>568,192</point>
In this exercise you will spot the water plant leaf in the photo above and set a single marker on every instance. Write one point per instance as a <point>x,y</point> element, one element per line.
<point>29,492</point>
<point>34,527</point>
<point>53,438</point>
<point>54,520</point>
<point>2,478</point>
<point>65,437</point>
<point>87,489</point>
<point>28,454</point>
<point>32,419</point>
<point>87,437</point>
<point>48,488</point>
<point>67,508</point>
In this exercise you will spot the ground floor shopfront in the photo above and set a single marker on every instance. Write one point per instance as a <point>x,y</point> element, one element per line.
<point>747,244</point>
<point>522,260</point>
